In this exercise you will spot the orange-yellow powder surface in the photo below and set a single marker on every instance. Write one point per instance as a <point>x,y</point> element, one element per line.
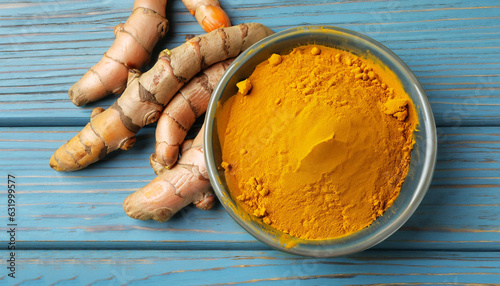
<point>317,143</point>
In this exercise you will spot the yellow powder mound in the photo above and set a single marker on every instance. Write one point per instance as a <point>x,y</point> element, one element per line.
<point>320,145</point>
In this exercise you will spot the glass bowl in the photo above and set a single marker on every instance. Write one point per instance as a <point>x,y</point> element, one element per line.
<point>423,156</point>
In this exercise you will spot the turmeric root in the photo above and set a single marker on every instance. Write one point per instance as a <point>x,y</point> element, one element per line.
<point>208,13</point>
<point>146,96</point>
<point>131,50</point>
<point>181,112</point>
<point>187,182</point>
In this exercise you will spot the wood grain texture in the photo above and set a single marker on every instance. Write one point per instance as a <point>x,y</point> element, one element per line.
<point>73,231</point>
<point>256,267</point>
<point>461,210</point>
<point>452,46</point>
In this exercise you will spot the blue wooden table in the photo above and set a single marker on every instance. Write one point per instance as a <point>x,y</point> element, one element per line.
<point>70,228</point>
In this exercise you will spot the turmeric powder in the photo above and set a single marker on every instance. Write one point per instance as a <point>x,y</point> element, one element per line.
<point>320,146</point>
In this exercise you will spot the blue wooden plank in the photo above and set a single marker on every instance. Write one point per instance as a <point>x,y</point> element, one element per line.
<point>259,267</point>
<point>452,46</point>
<point>45,46</point>
<point>60,210</point>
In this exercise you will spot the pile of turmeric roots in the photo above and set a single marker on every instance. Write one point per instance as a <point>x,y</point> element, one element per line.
<point>174,92</point>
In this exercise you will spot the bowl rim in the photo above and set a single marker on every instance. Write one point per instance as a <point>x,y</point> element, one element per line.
<point>430,143</point>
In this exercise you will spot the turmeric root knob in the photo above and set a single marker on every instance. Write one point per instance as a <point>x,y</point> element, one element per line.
<point>186,183</point>
<point>131,50</point>
<point>103,134</point>
<point>147,95</point>
<point>180,114</point>
<point>208,13</point>
<point>213,17</point>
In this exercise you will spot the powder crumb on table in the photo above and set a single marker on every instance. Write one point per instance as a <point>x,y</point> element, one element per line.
<point>327,138</point>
